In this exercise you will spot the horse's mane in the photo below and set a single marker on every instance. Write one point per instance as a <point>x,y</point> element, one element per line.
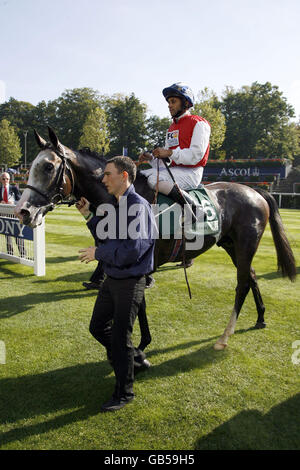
<point>140,183</point>
<point>91,153</point>
<point>142,187</point>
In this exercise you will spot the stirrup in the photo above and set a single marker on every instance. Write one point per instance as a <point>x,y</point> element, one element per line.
<point>184,199</point>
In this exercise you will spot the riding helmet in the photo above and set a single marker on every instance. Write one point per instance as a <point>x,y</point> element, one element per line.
<point>182,91</point>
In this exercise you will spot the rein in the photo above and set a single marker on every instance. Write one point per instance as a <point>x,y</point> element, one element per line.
<point>183,234</point>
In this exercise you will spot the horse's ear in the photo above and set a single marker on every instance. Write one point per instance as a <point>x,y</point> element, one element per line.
<point>55,142</point>
<point>40,141</point>
<point>53,138</point>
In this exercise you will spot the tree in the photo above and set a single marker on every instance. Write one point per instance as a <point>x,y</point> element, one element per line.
<point>126,117</point>
<point>156,129</point>
<point>20,114</point>
<point>297,156</point>
<point>207,107</point>
<point>68,113</point>
<point>10,150</point>
<point>95,132</point>
<point>258,122</point>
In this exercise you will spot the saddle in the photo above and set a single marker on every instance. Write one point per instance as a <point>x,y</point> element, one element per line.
<point>169,215</point>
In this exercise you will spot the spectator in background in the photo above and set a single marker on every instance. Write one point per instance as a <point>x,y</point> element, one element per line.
<point>10,194</point>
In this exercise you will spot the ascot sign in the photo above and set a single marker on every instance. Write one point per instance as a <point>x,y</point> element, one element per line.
<point>240,171</point>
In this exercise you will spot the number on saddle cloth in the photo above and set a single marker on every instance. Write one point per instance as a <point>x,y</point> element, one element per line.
<point>168,215</point>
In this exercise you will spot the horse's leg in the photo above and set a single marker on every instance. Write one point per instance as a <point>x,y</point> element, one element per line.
<point>242,290</point>
<point>260,323</point>
<point>144,327</point>
<point>258,300</point>
<point>242,255</point>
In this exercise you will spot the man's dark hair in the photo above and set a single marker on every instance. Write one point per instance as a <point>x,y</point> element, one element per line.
<point>124,164</point>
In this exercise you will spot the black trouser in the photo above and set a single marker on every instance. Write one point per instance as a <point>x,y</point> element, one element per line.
<point>20,244</point>
<point>115,311</point>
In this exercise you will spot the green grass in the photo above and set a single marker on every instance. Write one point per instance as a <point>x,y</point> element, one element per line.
<point>56,376</point>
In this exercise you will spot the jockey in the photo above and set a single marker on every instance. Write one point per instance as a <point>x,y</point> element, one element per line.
<point>186,148</point>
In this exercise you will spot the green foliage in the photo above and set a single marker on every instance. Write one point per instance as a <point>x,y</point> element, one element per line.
<point>21,116</point>
<point>68,114</point>
<point>126,117</point>
<point>10,150</point>
<point>156,131</point>
<point>257,122</point>
<point>282,142</point>
<point>207,108</point>
<point>95,132</point>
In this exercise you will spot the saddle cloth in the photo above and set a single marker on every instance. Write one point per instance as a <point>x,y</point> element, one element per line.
<point>169,215</point>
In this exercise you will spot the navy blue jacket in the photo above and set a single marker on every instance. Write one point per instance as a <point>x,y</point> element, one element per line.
<point>122,255</point>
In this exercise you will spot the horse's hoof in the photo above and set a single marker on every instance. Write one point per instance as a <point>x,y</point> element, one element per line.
<point>219,346</point>
<point>260,325</point>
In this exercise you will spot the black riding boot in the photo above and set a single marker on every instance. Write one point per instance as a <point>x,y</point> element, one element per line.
<point>183,198</point>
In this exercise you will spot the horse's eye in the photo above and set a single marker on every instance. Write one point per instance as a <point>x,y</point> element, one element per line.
<point>48,167</point>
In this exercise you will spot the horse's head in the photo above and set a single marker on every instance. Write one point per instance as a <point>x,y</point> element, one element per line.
<point>50,180</point>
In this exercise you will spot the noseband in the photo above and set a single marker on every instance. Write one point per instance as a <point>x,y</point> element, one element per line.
<point>58,184</point>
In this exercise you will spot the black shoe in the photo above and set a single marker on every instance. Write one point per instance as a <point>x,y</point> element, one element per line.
<point>115,404</point>
<point>150,281</point>
<point>185,201</point>
<point>91,285</point>
<point>141,366</point>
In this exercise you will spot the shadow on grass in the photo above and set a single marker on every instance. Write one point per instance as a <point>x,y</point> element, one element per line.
<point>7,273</point>
<point>61,259</point>
<point>275,275</point>
<point>75,277</point>
<point>168,268</point>
<point>279,429</point>
<point>198,359</point>
<point>211,340</point>
<point>11,306</point>
<point>82,388</point>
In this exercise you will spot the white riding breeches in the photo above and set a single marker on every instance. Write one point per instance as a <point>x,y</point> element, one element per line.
<point>186,178</point>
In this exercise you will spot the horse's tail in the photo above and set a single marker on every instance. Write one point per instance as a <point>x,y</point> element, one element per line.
<point>285,257</point>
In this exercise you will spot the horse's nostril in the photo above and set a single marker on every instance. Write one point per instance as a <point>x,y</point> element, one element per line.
<point>24,213</point>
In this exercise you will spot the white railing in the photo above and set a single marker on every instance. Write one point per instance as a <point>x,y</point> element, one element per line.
<point>21,244</point>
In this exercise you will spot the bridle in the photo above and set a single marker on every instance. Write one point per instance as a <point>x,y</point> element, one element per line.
<point>56,193</point>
